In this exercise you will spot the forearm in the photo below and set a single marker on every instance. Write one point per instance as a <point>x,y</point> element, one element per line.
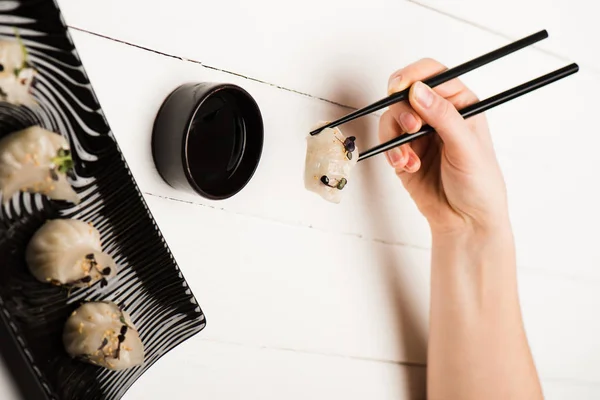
<point>477,345</point>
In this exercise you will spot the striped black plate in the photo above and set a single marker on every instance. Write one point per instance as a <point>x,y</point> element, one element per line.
<point>149,283</point>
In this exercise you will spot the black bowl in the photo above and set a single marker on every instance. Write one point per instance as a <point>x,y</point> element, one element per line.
<point>208,139</point>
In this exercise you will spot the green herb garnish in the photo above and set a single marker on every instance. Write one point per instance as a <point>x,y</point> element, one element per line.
<point>63,161</point>
<point>340,185</point>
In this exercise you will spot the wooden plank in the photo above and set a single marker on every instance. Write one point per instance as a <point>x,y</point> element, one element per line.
<point>532,150</point>
<point>267,284</point>
<point>340,50</point>
<point>564,390</point>
<point>556,311</point>
<point>571,24</point>
<point>225,371</point>
<point>278,286</point>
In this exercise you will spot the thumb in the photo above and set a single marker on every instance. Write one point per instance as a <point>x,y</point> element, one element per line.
<point>442,116</point>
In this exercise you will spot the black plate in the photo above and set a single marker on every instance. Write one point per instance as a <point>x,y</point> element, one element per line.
<point>149,283</point>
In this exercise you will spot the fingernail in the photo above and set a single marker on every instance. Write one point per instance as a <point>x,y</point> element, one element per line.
<point>395,156</point>
<point>410,163</point>
<point>394,84</point>
<point>407,121</point>
<point>423,95</point>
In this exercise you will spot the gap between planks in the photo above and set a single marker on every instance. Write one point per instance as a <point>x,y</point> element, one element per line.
<point>292,224</point>
<point>214,68</point>
<point>317,353</point>
<point>521,267</point>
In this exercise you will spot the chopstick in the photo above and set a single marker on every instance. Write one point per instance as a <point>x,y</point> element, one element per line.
<point>436,80</point>
<point>478,108</point>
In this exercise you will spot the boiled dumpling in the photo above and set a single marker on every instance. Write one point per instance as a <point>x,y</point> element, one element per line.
<point>68,252</point>
<point>16,75</point>
<point>36,160</point>
<point>330,158</point>
<point>101,333</point>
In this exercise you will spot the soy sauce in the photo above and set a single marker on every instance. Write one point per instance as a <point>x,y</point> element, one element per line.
<point>216,141</point>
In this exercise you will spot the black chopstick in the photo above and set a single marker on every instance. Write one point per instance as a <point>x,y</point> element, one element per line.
<point>477,108</point>
<point>445,76</point>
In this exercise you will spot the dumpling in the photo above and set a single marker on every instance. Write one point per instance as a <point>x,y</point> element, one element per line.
<point>102,334</point>
<point>16,75</point>
<point>68,252</point>
<point>330,158</point>
<point>36,160</point>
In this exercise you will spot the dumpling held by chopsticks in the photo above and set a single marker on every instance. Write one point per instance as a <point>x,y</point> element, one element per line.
<point>330,158</point>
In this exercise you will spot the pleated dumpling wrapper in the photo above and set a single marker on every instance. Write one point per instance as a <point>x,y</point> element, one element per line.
<point>16,75</point>
<point>36,160</point>
<point>330,158</point>
<point>101,333</point>
<point>68,252</point>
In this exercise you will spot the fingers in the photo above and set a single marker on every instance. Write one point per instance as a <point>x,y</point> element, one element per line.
<point>420,71</point>
<point>406,117</point>
<point>402,158</point>
<point>454,90</point>
<point>441,114</point>
<point>438,109</point>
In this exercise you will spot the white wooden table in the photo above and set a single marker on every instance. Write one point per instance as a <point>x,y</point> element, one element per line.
<point>309,300</point>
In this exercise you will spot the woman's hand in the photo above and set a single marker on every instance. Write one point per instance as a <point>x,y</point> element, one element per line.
<point>453,176</point>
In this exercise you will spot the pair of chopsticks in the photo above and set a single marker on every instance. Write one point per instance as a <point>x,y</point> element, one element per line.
<point>453,73</point>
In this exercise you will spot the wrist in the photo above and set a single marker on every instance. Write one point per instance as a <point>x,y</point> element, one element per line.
<point>479,267</point>
<point>468,230</point>
<point>493,240</point>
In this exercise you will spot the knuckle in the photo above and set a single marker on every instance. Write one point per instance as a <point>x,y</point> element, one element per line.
<point>395,74</point>
<point>385,124</point>
<point>443,109</point>
<point>386,118</point>
<point>432,62</point>
<point>428,60</point>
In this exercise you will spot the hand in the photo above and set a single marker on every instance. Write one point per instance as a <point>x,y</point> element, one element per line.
<point>453,174</point>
